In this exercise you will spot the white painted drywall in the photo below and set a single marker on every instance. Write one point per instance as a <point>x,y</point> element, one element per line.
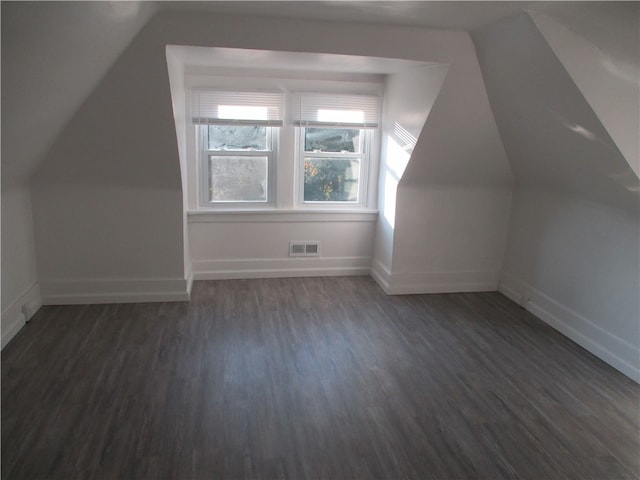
<point>576,264</point>
<point>176,72</point>
<point>572,251</point>
<point>230,246</point>
<point>238,244</point>
<point>19,277</point>
<point>460,180</point>
<point>600,48</point>
<point>551,134</point>
<point>408,98</point>
<point>456,242</point>
<point>108,202</point>
<point>53,55</point>
<point>18,258</point>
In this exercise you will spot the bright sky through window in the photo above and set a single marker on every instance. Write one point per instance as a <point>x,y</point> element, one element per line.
<point>341,116</point>
<point>242,112</point>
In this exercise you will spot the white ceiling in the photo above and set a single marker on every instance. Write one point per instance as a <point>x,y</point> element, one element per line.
<point>230,58</point>
<point>432,14</point>
<point>66,48</point>
<point>53,56</point>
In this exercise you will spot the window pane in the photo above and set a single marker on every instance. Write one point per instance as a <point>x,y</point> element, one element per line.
<point>234,137</point>
<point>238,179</point>
<point>332,140</point>
<point>331,179</point>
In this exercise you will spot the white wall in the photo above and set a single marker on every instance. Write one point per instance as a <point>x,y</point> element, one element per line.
<point>256,245</point>
<point>241,244</point>
<point>457,239</point>
<point>408,98</point>
<point>179,104</point>
<point>604,65</point>
<point>452,206</point>
<point>575,263</point>
<point>53,56</point>
<point>43,84</point>
<point>19,279</point>
<point>108,203</point>
<point>572,254</point>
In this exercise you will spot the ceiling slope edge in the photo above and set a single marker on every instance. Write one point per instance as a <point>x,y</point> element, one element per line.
<point>603,63</point>
<point>39,37</point>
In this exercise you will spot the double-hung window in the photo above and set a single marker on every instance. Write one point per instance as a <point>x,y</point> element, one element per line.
<point>327,148</point>
<point>335,136</point>
<point>238,138</point>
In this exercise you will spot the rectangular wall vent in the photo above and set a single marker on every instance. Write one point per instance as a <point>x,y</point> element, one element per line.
<point>304,249</point>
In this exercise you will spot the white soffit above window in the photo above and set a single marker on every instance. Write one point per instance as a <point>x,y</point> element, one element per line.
<point>195,59</point>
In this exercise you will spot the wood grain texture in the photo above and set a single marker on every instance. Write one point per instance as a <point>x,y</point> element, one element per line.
<point>311,378</point>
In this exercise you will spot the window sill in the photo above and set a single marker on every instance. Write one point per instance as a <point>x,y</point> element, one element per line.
<point>281,215</point>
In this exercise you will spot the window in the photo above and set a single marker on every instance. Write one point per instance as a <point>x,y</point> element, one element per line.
<point>238,134</point>
<point>322,152</point>
<point>334,147</point>
<point>239,163</point>
<point>332,160</point>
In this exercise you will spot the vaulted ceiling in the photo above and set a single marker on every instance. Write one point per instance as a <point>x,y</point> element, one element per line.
<point>55,53</point>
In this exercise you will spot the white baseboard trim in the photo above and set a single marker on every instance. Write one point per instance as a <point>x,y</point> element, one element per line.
<point>510,292</point>
<point>280,267</point>
<point>616,351</point>
<point>381,274</point>
<point>433,282</point>
<point>189,280</point>
<point>100,291</point>
<point>14,317</point>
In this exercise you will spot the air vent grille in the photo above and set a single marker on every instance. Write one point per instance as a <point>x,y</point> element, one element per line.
<point>304,249</point>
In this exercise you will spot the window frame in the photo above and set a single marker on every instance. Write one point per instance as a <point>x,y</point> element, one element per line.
<point>285,183</point>
<point>205,175</point>
<point>366,139</point>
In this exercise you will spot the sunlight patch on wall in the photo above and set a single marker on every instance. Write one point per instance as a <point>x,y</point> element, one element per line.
<point>400,146</point>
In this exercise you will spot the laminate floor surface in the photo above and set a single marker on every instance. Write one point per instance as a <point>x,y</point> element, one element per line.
<point>311,378</point>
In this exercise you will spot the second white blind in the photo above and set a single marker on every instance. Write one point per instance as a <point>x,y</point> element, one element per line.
<point>336,110</point>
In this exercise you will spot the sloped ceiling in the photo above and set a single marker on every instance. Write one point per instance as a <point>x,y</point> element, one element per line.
<point>552,136</point>
<point>53,56</point>
<point>600,48</point>
<point>55,53</point>
<point>447,15</point>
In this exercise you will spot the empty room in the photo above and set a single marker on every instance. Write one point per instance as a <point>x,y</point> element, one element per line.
<point>320,239</point>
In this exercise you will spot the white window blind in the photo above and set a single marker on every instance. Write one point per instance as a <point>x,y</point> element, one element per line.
<point>334,110</point>
<point>213,107</point>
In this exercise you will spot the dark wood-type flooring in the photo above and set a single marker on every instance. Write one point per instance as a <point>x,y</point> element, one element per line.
<point>311,378</point>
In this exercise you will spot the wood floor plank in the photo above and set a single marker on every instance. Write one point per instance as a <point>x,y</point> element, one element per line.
<point>311,378</point>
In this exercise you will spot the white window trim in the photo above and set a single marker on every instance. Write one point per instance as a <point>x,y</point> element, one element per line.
<point>204,175</point>
<point>363,182</point>
<point>284,181</point>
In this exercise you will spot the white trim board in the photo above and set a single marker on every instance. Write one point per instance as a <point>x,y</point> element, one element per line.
<point>280,267</point>
<point>281,216</point>
<point>381,274</point>
<point>100,291</point>
<point>409,283</point>
<point>615,351</point>
<point>13,318</point>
